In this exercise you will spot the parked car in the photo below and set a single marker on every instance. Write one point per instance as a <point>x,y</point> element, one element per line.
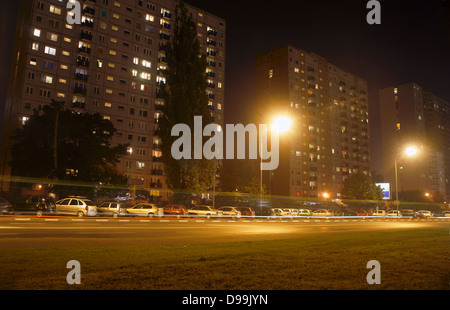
<point>322,212</point>
<point>379,213</point>
<point>113,208</point>
<point>175,210</point>
<point>278,212</point>
<point>143,209</point>
<point>202,210</point>
<point>246,211</point>
<point>394,213</point>
<point>79,206</point>
<point>424,213</point>
<point>291,212</point>
<point>36,205</point>
<point>304,212</point>
<point>408,213</point>
<point>5,206</point>
<point>363,213</point>
<point>229,211</point>
<point>446,213</point>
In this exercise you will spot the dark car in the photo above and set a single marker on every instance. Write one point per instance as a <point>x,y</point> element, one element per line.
<point>175,210</point>
<point>5,206</point>
<point>36,205</point>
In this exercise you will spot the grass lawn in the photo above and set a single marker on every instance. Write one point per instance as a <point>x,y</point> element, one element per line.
<point>412,260</point>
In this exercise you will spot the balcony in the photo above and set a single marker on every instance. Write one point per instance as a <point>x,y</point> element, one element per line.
<point>81,77</point>
<point>80,90</point>
<point>157,172</point>
<point>156,185</point>
<point>211,63</point>
<point>88,23</point>
<point>79,104</point>
<point>86,35</point>
<point>212,32</point>
<point>89,10</point>
<point>166,15</point>
<point>166,26</point>
<point>84,49</point>
<point>164,36</point>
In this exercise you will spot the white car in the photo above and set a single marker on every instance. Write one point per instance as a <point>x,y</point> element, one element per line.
<point>394,213</point>
<point>79,206</point>
<point>322,212</point>
<point>446,213</point>
<point>278,212</point>
<point>229,211</point>
<point>202,210</point>
<point>143,209</point>
<point>424,213</point>
<point>379,213</point>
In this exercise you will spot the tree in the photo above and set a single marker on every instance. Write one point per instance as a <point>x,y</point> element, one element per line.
<point>360,186</point>
<point>184,97</point>
<point>66,145</point>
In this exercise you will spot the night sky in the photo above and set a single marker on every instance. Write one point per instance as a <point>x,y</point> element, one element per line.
<point>412,44</point>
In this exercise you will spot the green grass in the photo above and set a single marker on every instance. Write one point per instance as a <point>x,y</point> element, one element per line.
<point>415,259</point>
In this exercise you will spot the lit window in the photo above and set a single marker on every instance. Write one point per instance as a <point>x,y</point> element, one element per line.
<point>35,46</point>
<point>55,10</point>
<point>52,36</point>
<point>149,17</point>
<point>145,76</point>
<point>146,63</point>
<point>136,60</point>
<point>50,50</point>
<point>37,32</point>
<point>46,79</point>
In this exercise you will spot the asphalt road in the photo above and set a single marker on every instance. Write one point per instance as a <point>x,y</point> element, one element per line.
<point>26,232</point>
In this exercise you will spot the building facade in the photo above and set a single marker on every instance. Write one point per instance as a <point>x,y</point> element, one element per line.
<point>109,63</point>
<point>410,115</point>
<point>329,139</point>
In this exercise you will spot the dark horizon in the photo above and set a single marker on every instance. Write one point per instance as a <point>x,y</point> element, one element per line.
<point>412,44</point>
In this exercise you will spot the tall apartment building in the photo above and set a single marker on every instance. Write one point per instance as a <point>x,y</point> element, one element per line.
<point>410,115</point>
<point>329,139</point>
<point>110,63</point>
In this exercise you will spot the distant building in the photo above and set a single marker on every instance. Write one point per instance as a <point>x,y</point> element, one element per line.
<point>330,137</point>
<point>110,63</point>
<point>410,115</point>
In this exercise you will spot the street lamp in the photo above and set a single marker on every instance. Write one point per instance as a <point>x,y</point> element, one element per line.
<point>280,124</point>
<point>409,151</point>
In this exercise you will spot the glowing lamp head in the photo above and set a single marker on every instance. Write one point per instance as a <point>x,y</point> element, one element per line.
<point>411,151</point>
<point>281,124</point>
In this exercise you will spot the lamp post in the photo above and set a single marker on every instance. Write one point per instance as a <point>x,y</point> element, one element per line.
<point>409,151</point>
<point>280,124</point>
